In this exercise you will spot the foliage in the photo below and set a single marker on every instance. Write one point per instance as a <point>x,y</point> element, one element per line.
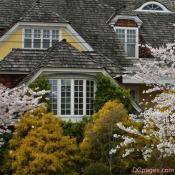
<point>106,91</point>
<point>13,103</point>
<point>97,169</point>
<point>155,138</point>
<point>40,84</point>
<point>75,130</point>
<point>98,137</point>
<point>39,147</point>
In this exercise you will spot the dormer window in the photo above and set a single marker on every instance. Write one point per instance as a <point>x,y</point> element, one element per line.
<point>128,36</point>
<point>40,38</point>
<point>153,6</point>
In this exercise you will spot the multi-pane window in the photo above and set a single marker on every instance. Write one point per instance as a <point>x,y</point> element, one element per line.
<point>28,38</point>
<point>46,38</point>
<point>129,39</point>
<point>73,97</point>
<point>37,38</point>
<point>78,97</point>
<point>54,95</point>
<point>152,7</point>
<point>40,38</point>
<point>89,97</point>
<point>65,97</point>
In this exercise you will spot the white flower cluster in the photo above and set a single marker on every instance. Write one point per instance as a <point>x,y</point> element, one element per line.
<point>130,130</point>
<point>112,151</point>
<point>14,102</point>
<point>128,152</point>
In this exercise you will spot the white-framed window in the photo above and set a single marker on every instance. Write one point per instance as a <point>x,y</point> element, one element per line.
<point>37,38</point>
<point>153,6</point>
<point>72,98</point>
<point>129,38</point>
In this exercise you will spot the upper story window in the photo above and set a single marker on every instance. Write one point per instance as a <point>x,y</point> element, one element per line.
<point>153,6</point>
<point>129,39</point>
<point>40,38</point>
<point>72,99</point>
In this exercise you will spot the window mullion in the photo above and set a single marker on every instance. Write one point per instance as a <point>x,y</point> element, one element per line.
<point>72,97</point>
<point>59,97</point>
<point>50,38</point>
<point>32,31</point>
<point>41,36</point>
<point>84,97</point>
<point>126,39</point>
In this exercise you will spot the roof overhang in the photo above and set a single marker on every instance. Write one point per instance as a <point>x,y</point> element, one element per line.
<point>134,18</point>
<point>68,70</point>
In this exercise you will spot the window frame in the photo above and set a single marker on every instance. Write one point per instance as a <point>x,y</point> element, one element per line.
<point>41,37</point>
<point>72,102</point>
<point>164,9</point>
<point>137,39</point>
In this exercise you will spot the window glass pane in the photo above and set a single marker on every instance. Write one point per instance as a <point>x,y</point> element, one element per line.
<point>37,43</point>
<point>78,97</point>
<point>37,33</point>
<point>28,33</point>
<point>131,50</point>
<point>54,36</point>
<point>27,43</point>
<point>53,95</point>
<point>27,38</point>
<point>46,38</point>
<point>121,35</point>
<point>65,97</point>
<point>46,43</point>
<point>37,38</point>
<point>89,97</point>
<point>152,7</point>
<point>46,34</point>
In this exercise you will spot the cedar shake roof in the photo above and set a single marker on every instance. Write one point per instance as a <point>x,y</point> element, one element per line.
<point>40,13</point>
<point>89,18</point>
<point>21,60</point>
<point>60,55</point>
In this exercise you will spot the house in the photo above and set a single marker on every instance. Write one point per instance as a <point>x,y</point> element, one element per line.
<point>71,41</point>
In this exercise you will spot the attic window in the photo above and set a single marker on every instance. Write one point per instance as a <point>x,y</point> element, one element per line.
<point>40,38</point>
<point>153,6</point>
<point>128,37</point>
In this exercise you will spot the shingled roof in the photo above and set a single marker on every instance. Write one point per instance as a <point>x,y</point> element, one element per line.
<point>89,18</point>
<point>21,61</point>
<point>40,13</point>
<point>60,55</point>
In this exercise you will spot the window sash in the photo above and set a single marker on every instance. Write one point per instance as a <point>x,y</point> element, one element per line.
<point>129,39</point>
<point>40,38</point>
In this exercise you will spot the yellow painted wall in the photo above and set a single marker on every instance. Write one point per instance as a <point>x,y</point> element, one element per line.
<point>70,39</point>
<point>13,41</point>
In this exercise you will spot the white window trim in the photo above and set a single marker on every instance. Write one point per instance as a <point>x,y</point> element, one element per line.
<point>137,38</point>
<point>41,37</point>
<point>165,10</point>
<point>72,116</point>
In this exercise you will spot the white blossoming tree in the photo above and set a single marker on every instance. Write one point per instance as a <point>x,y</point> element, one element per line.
<point>13,103</point>
<point>153,129</point>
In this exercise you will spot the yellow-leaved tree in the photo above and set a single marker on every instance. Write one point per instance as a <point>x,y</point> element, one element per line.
<point>39,147</point>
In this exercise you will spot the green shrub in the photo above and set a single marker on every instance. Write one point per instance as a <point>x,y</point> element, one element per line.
<point>75,130</point>
<point>97,169</point>
<point>41,83</point>
<point>38,146</point>
<point>106,91</point>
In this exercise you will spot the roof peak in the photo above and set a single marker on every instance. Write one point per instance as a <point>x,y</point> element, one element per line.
<point>40,13</point>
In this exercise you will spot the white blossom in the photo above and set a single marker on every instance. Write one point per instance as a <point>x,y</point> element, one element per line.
<point>13,103</point>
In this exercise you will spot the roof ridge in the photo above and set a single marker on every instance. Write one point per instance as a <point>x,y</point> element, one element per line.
<point>40,7</point>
